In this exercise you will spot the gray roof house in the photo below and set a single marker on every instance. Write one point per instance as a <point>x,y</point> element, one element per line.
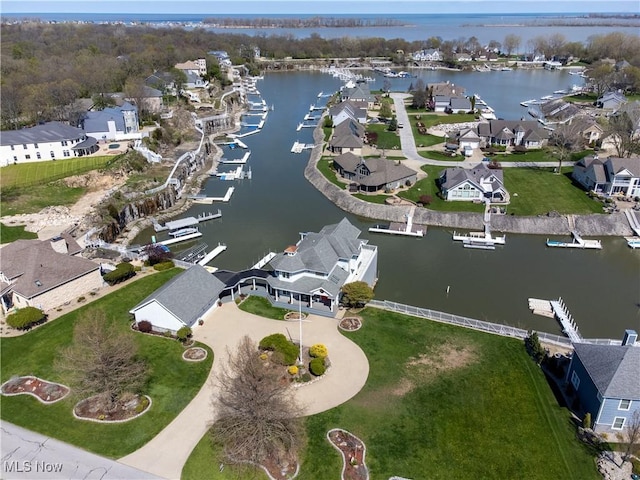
<point>112,123</point>
<point>606,380</point>
<point>180,302</point>
<point>314,270</point>
<point>526,133</point>
<point>479,183</point>
<point>48,141</point>
<point>34,273</point>
<point>373,174</point>
<point>611,101</point>
<point>611,176</point>
<point>347,137</point>
<point>358,92</point>
<point>349,109</point>
<point>459,104</point>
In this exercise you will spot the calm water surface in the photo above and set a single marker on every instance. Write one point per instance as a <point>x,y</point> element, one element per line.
<point>601,288</point>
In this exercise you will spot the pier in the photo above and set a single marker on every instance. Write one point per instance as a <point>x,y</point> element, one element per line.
<point>397,228</point>
<point>578,242</point>
<point>305,125</point>
<point>481,240</point>
<point>558,310</point>
<point>242,160</point>
<point>183,238</point>
<point>207,200</point>
<point>299,147</point>
<point>263,261</point>
<point>212,254</point>
<point>186,222</point>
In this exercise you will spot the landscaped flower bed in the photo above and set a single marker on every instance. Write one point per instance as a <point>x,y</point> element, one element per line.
<point>194,354</point>
<point>46,392</point>
<point>350,324</point>
<point>126,408</point>
<point>353,453</point>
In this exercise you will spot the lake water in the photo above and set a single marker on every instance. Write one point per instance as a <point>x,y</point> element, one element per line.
<point>266,213</point>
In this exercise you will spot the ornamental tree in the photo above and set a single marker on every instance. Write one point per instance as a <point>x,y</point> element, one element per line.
<point>356,294</point>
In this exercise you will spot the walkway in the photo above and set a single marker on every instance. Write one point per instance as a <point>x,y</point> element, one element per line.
<point>166,453</point>
<point>409,150</point>
<point>28,455</point>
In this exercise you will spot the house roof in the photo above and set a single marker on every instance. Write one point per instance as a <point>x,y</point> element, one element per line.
<point>380,170</point>
<point>594,164</point>
<point>460,103</point>
<point>445,88</point>
<point>98,121</point>
<point>35,267</point>
<point>493,127</point>
<point>187,296</point>
<point>458,175</point>
<point>45,133</point>
<point>631,164</point>
<point>612,368</point>
<point>319,252</point>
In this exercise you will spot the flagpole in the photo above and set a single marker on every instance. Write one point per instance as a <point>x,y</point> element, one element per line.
<point>300,321</point>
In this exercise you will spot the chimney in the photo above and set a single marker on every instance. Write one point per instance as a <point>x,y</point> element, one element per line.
<point>630,338</point>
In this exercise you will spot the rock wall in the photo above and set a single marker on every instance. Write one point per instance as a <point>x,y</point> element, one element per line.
<point>588,225</point>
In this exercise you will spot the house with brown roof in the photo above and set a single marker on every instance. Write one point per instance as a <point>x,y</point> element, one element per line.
<point>373,174</point>
<point>34,274</point>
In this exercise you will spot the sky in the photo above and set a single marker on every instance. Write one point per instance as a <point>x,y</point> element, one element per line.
<point>321,7</point>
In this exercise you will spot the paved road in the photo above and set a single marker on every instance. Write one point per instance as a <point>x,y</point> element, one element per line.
<point>28,455</point>
<point>166,453</point>
<point>409,150</point>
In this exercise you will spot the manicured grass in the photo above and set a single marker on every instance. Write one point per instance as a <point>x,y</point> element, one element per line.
<point>38,173</point>
<point>432,119</point>
<point>172,381</point>
<point>452,402</point>
<point>261,306</point>
<point>536,191</point>
<point>380,199</point>
<point>386,140</point>
<point>9,234</point>
<point>435,155</point>
<point>541,155</point>
<point>16,200</point>
<point>325,167</point>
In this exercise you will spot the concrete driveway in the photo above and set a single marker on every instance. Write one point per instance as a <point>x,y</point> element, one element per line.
<point>166,454</point>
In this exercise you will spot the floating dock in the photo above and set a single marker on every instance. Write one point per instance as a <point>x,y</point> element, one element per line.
<point>263,261</point>
<point>212,254</point>
<point>208,200</point>
<point>299,147</point>
<point>305,125</point>
<point>237,161</point>
<point>184,238</point>
<point>481,240</point>
<point>558,310</point>
<point>578,242</point>
<point>397,228</point>
<point>186,222</point>
<point>541,307</point>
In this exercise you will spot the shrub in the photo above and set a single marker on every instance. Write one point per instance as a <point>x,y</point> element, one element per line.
<point>293,370</point>
<point>286,351</point>
<point>164,265</point>
<point>145,326</point>
<point>425,199</point>
<point>316,366</point>
<point>306,377</point>
<point>123,272</point>
<point>183,334</point>
<point>26,317</point>
<point>142,405</point>
<point>318,350</point>
<point>264,357</point>
<point>586,421</point>
<point>81,299</point>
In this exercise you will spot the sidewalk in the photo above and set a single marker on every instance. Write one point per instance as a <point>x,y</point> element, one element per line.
<point>166,454</point>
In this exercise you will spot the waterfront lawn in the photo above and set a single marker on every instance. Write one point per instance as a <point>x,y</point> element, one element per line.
<point>17,200</point>
<point>172,381</point>
<point>435,155</point>
<point>386,140</point>
<point>541,155</point>
<point>427,186</point>
<point>433,119</point>
<point>325,166</point>
<point>466,404</point>
<point>39,173</point>
<point>380,199</point>
<point>536,191</point>
<point>10,234</point>
<point>262,307</point>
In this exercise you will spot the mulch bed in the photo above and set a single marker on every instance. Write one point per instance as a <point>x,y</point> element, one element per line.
<point>294,316</point>
<point>350,324</point>
<point>353,453</point>
<point>46,392</point>
<point>281,469</point>
<point>127,408</point>
<point>194,354</point>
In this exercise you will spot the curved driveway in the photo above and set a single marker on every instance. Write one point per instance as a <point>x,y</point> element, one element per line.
<point>409,150</point>
<point>167,452</point>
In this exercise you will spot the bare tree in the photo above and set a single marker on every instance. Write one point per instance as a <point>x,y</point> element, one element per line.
<point>257,416</point>
<point>512,43</point>
<point>102,361</point>
<point>632,436</point>
<point>565,140</point>
<point>621,131</point>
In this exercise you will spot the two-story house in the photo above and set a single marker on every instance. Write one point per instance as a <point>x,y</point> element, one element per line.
<point>373,174</point>
<point>479,183</point>
<point>112,123</point>
<point>612,176</point>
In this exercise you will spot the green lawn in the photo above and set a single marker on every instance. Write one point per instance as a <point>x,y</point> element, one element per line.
<point>440,402</point>
<point>427,186</point>
<point>172,383</point>
<point>38,173</point>
<point>536,191</point>
<point>261,306</point>
<point>435,155</point>
<point>432,119</point>
<point>386,140</point>
<point>325,166</point>
<point>16,200</point>
<point>380,199</point>
<point>541,155</point>
<point>9,234</point>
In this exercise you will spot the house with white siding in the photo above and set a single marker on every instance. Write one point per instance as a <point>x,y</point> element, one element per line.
<point>112,123</point>
<point>606,381</point>
<point>49,141</point>
<point>611,176</point>
<point>479,183</point>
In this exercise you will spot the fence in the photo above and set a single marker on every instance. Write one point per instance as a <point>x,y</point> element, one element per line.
<point>495,328</point>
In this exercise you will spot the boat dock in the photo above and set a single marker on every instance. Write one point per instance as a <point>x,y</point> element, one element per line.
<point>578,242</point>
<point>205,199</point>
<point>558,310</point>
<point>186,222</point>
<point>634,223</point>
<point>397,228</point>
<point>305,125</point>
<point>481,240</point>
<point>213,254</point>
<point>313,107</point>
<point>183,238</point>
<point>299,147</point>
<point>235,141</point>
<point>263,261</point>
<point>237,161</point>
<point>633,242</point>
<point>236,174</point>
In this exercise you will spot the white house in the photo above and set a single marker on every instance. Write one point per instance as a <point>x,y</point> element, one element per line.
<point>348,110</point>
<point>478,183</point>
<point>428,55</point>
<point>112,123</point>
<point>180,302</point>
<point>613,176</point>
<point>49,141</point>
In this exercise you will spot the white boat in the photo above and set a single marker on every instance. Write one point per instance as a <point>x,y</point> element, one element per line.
<point>506,69</point>
<point>183,231</point>
<point>633,242</point>
<point>479,240</point>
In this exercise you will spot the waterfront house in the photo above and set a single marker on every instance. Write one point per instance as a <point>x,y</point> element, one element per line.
<point>45,274</point>
<point>222,56</point>
<point>428,55</point>
<point>319,264</point>
<point>587,128</point>
<point>112,123</point>
<point>467,137</point>
<point>49,141</point>
<point>557,111</point>
<point>180,302</point>
<point>526,133</point>
<point>347,137</point>
<point>611,101</point>
<point>440,103</point>
<point>163,81</point>
<point>458,105</point>
<point>463,57</point>
<point>348,110</point>
<point>445,88</point>
<point>479,183</point>
<point>373,174</point>
<point>358,92</point>
<point>606,381</point>
<point>612,176</point>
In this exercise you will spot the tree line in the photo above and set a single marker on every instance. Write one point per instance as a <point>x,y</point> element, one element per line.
<point>46,67</point>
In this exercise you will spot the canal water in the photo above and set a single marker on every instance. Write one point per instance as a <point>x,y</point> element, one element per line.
<point>267,212</point>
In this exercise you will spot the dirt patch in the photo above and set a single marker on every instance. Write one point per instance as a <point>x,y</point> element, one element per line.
<point>350,324</point>
<point>46,392</point>
<point>447,357</point>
